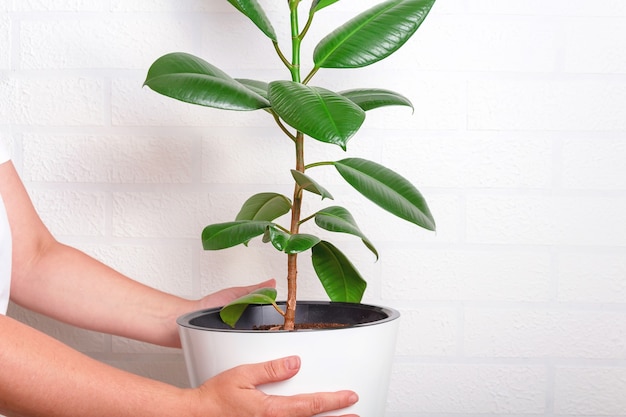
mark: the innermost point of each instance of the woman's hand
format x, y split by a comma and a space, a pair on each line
233, 393
227, 295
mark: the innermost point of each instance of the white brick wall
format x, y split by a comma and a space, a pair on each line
515, 307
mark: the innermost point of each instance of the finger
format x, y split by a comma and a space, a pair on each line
271, 371
306, 405
265, 284
227, 295
236, 292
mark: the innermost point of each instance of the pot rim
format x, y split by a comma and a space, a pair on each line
387, 314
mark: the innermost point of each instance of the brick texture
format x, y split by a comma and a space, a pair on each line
515, 307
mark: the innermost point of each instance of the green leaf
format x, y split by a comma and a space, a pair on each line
318, 5
264, 207
387, 189
300, 242
225, 235
338, 219
231, 313
340, 279
183, 63
322, 114
373, 98
259, 87
372, 35
253, 10
309, 184
287, 243
190, 79
276, 236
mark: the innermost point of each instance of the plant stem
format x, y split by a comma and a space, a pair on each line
306, 219
306, 26
318, 164
311, 74
280, 55
282, 126
295, 43
292, 259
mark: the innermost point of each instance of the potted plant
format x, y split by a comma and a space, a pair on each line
305, 112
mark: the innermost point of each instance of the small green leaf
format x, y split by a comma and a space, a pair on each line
309, 184
372, 35
264, 207
338, 219
387, 189
340, 279
190, 79
373, 98
318, 5
322, 114
287, 243
254, 12
225, 235
231, 313
277, 237
300, 242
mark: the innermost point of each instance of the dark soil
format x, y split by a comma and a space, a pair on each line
304, 326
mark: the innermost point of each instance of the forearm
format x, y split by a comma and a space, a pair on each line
66, 284
70, 286
42, 377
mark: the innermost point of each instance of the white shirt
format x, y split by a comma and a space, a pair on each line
5, 243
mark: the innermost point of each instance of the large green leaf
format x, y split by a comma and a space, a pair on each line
232, 312
254, 12
373, 98
338, 219
322, 114
183, 63
372, 35
190, 79
309, 184
259, 87
264, 207
225, 235
387, 189
339, 277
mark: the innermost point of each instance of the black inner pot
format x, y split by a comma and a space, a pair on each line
256, 316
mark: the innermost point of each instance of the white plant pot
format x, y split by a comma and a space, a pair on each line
358, 357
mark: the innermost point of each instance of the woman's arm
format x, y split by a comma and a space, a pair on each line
64, 283
42, 377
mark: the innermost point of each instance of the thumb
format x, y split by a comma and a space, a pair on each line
273, 371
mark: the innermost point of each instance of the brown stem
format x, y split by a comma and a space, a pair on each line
292, 260
290, 312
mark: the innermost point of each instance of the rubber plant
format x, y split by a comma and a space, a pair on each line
302, 112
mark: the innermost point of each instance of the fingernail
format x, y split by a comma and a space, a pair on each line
353, 398
292, 362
